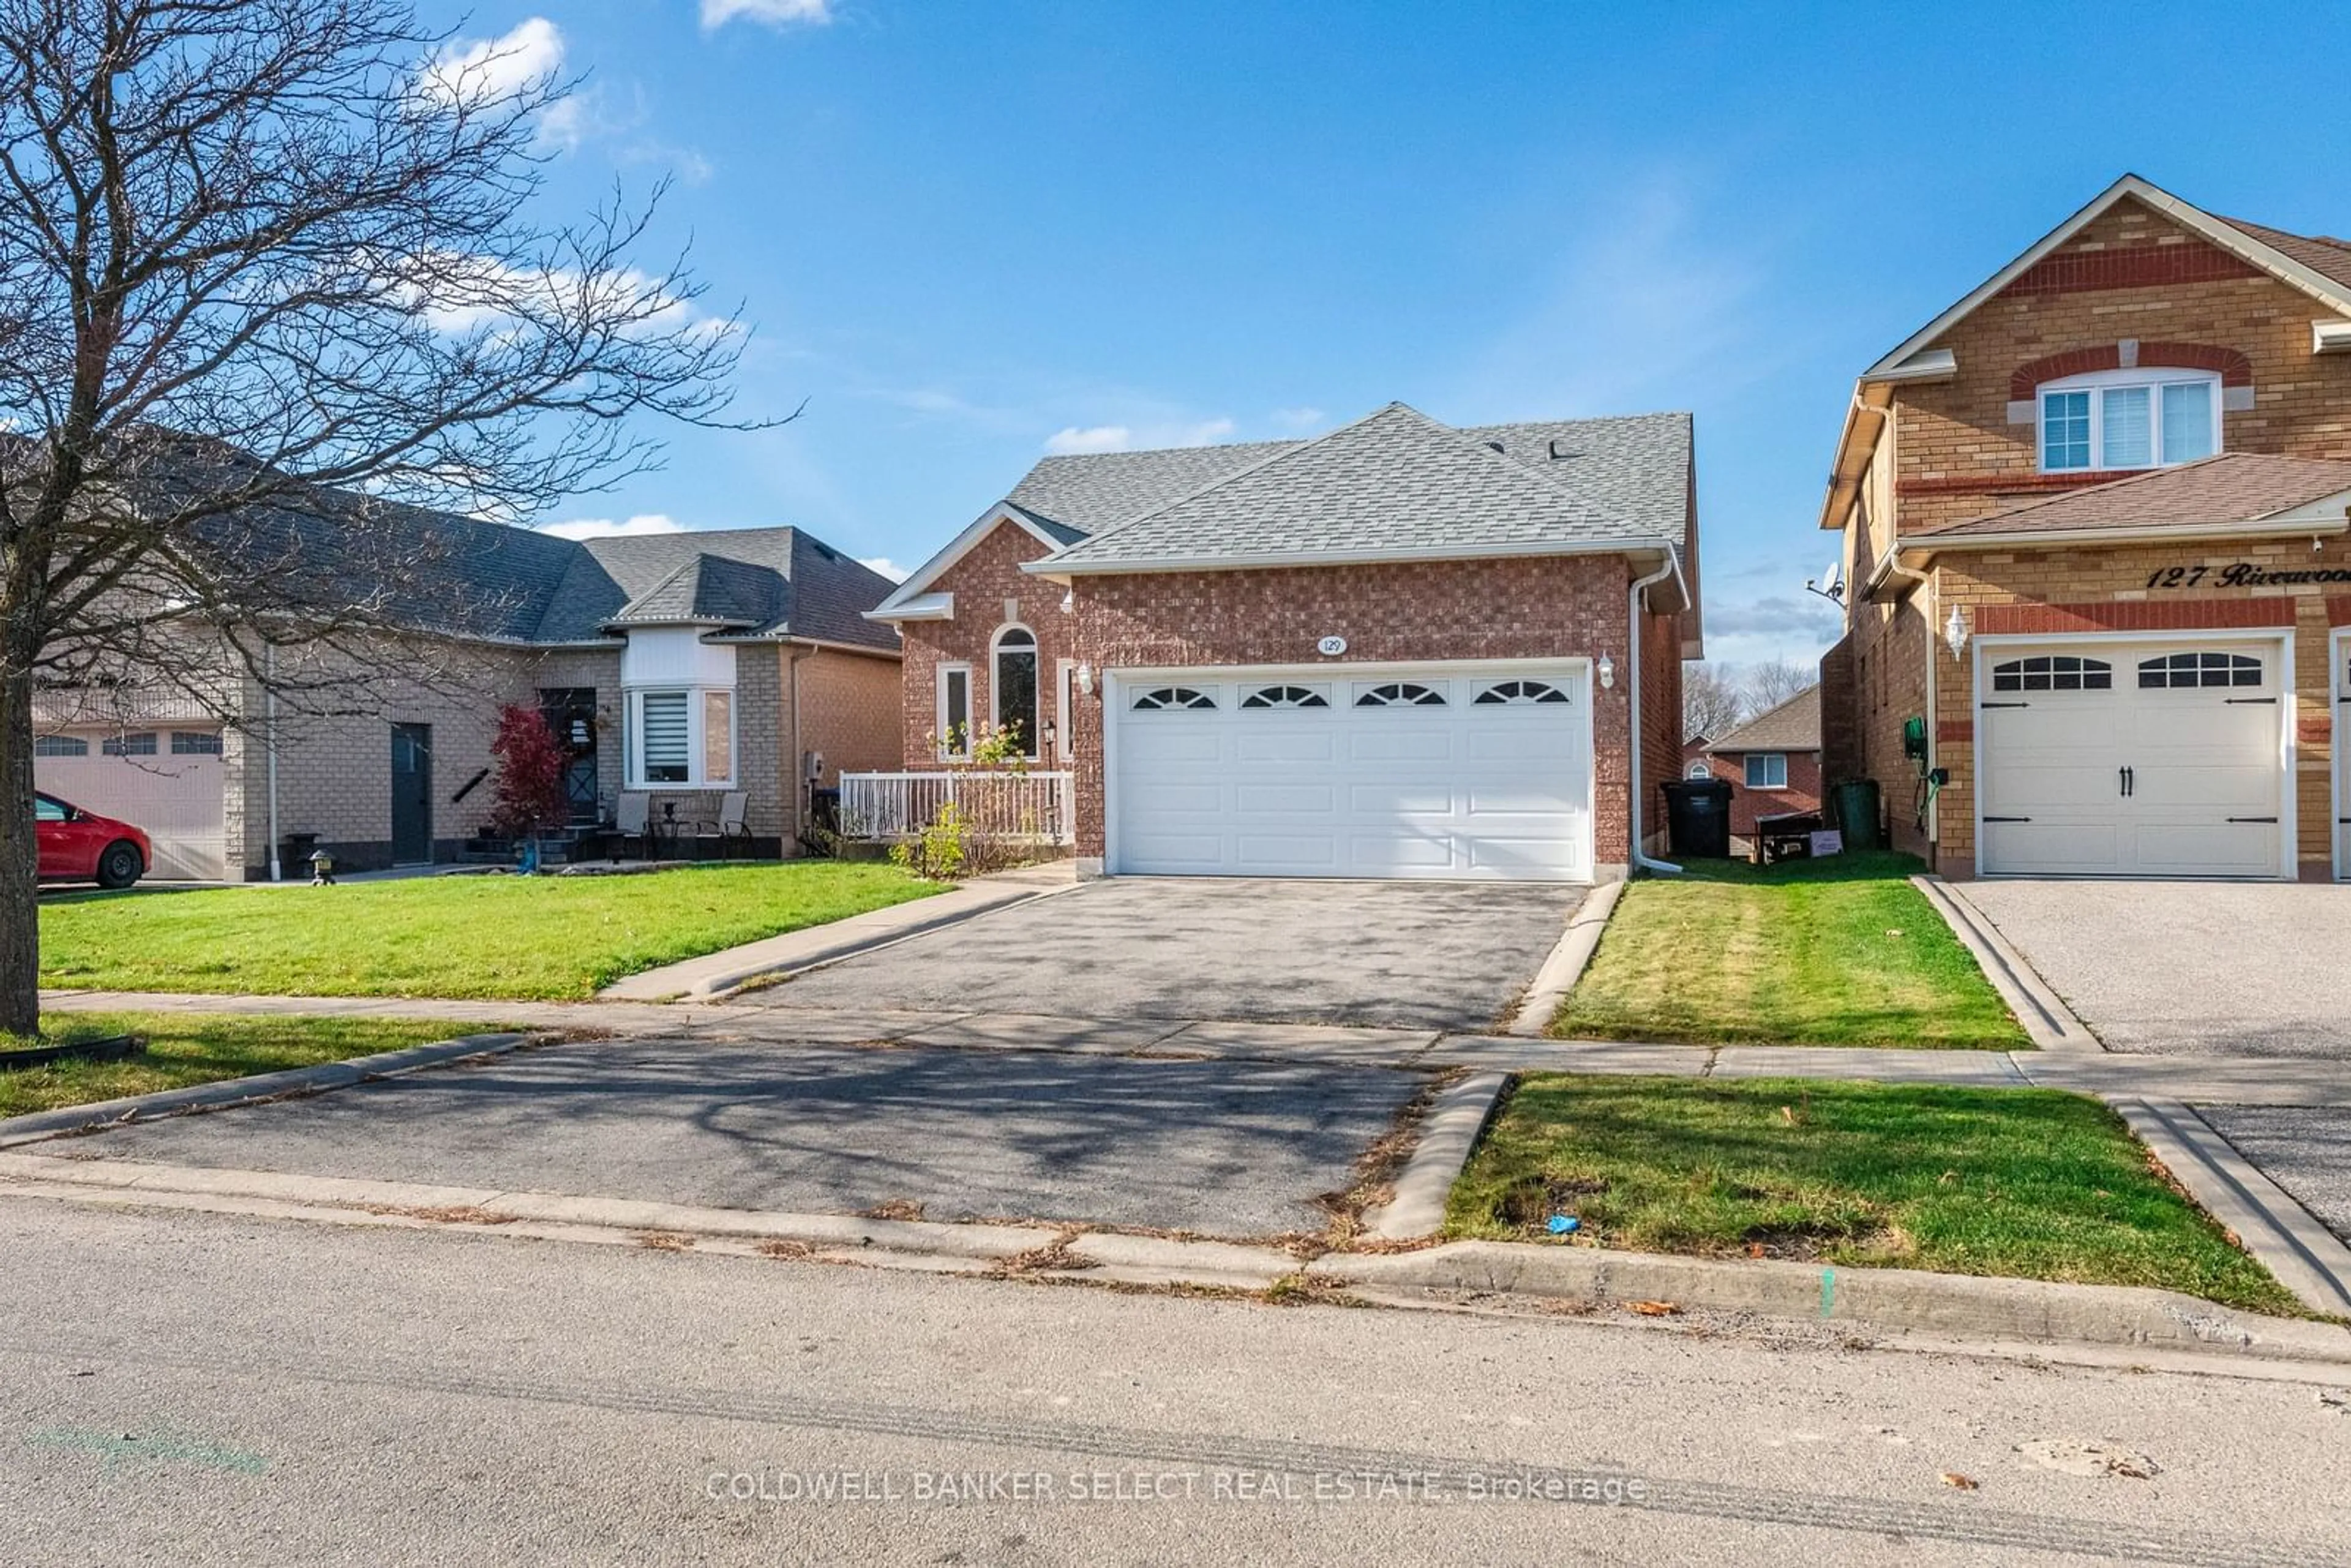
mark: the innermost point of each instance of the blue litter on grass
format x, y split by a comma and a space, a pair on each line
1561, 1224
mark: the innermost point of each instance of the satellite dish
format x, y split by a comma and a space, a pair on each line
1830, 584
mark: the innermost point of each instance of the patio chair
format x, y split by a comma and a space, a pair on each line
633, 819
729, 829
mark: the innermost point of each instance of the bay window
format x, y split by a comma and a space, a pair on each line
2128, 419
683, 737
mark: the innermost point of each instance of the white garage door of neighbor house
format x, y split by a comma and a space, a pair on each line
1447, 773
2163, 759
166, 780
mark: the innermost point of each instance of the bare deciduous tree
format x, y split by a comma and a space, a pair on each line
1712, 705
1767, 685
248, 250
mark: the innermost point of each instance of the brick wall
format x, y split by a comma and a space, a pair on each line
1544, 608
850, 710
2131, 275
1802, 793
990, 591
2035, 592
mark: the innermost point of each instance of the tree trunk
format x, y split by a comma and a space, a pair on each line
20, 914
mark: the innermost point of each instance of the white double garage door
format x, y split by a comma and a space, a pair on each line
167, 781
1468, 773
2167, 757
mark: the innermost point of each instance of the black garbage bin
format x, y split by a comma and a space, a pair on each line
1857, 814
1697, 817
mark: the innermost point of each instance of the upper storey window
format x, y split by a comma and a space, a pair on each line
2128, 419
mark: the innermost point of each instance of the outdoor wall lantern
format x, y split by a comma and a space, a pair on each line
1069, 602
1607, 672
1955, 633
1086, 679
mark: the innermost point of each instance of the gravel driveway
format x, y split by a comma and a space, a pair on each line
2187, 969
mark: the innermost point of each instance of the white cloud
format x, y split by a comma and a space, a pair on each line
610, 529
1093, 438
485, 69
773, 13
883, 565
1127, 438
1300, 418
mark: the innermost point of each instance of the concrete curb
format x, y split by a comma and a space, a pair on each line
716, 975
2290, 1240
39, 1124
2047, 1020
1448, 1135
1888, 1299
1566, 963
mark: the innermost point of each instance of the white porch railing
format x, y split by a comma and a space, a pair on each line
1037, 806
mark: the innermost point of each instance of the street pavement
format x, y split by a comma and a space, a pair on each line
1221, 1147
199, 1388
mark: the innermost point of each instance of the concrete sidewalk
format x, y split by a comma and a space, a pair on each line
2197, 1080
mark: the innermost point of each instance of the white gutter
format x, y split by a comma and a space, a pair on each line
1641, 861
2206, 533
269, 697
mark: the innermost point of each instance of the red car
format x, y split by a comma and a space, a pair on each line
82, 846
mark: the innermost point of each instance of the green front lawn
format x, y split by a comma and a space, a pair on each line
1837, 951
552, 937
184, 1049
2028, 1183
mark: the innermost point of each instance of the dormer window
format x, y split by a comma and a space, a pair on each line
2128, 419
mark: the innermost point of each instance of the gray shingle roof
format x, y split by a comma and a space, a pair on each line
763, 583
1793, 726
338, 549
1398, 483
1090, 492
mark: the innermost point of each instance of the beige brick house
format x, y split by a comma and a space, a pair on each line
684, 666
2097, 577
1399, 650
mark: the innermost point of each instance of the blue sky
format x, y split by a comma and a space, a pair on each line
968, 235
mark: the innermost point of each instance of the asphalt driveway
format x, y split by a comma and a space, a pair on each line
1396, 954
1226, 1148
2184, 968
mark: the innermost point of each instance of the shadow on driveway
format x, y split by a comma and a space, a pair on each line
1225, 1149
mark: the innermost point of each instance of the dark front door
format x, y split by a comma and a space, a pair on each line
571, 714
412, 793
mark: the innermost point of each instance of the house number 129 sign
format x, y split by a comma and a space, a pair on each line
1332, 647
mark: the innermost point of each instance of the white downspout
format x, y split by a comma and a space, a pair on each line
269, 703
1641, 860
801, 783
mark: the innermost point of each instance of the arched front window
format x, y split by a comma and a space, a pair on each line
1012, 686
2148, 418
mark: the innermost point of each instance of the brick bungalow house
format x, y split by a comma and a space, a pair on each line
1772, 762
2094, 536
682, 666
1398, 650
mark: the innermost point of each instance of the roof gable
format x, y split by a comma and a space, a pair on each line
2310, 265
1793, 726
1398, 486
